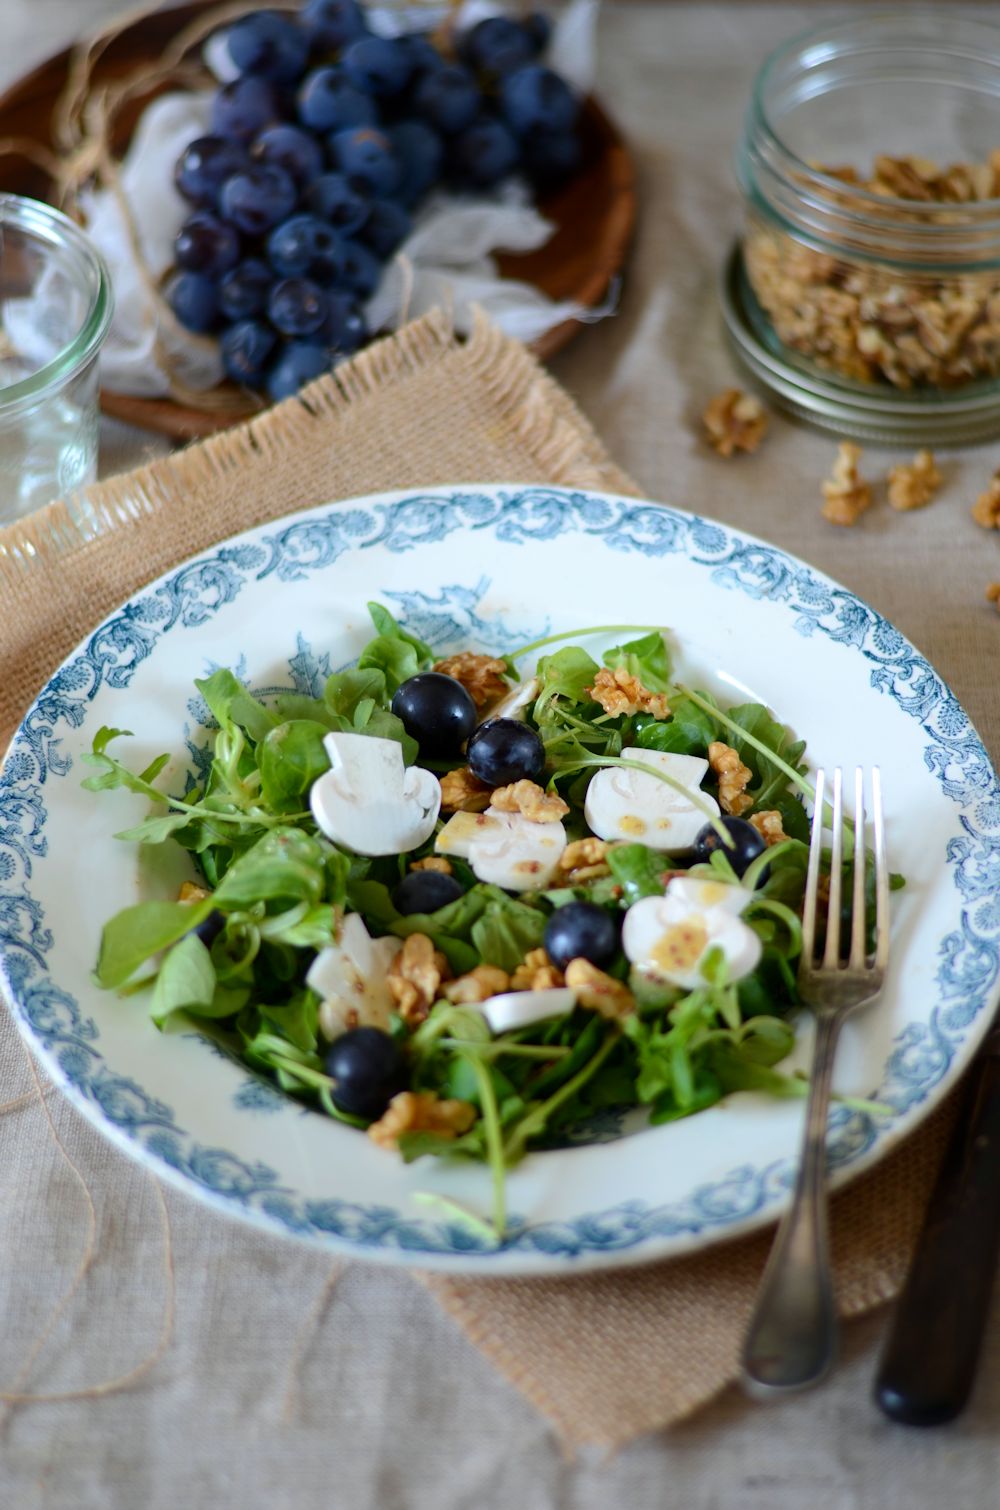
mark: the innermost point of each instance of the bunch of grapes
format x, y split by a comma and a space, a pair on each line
319, 153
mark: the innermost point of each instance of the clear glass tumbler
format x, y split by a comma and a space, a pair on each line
55, 309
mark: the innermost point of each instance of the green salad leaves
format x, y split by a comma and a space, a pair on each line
269, 891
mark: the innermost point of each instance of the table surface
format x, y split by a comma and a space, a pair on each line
394, 1408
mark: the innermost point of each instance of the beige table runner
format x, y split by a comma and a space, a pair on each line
604, 1357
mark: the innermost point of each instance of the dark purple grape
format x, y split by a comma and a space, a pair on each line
503, 750
296, 307
436, 711
484, 153
194, 300
243, 292
448, 98
247, 348
288, 147
206, 244
550, 157
539, 29
497, 45
421, 157
204, 166
241, 110
328, 101
344, 330
332, 23
367, 1070
386, 227
360, 271
582, 930
297, 365
536, 99
258, 199
209, 928
306, 247
380, 66
747, 843
366, 154
425, 891
335, 199
424, 56
268, 44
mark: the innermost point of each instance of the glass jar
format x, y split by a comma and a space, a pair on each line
55, 309
870, 169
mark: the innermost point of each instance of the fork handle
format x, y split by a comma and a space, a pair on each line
792, 1338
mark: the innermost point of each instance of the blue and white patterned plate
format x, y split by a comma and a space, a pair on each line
283, 605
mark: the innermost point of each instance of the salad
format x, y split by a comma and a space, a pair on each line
475, 905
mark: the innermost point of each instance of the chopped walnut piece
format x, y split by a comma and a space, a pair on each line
600, 992
584, 860
461, 792
618, 691
768, 825
734, 421
531, 801
734, 778
482, 676
414, 976
846, 495
913, 484
478, 985
421, 1111
433, 862
993, 594
536, 972
189, 892
986, 509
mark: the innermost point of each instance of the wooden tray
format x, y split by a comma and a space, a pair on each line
594, 214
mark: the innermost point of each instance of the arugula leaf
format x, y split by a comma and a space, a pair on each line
297, 1020
186, 982
113, 773
646, 658
507, 930
232, 705
567, 673
769, 780
136, 933
688, 731
290, 757
293, 705
394, 652
638, 870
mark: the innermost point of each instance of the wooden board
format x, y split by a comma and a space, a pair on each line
594, 214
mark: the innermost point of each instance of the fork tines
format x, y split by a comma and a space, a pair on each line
858, 956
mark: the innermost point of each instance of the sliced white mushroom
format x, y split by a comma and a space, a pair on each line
369, 802
622, 803
514, 703
519, 1009
349, 976
668, 937
504, 849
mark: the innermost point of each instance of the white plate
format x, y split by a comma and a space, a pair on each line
283, 605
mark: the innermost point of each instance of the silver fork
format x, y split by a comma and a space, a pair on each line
792, 1337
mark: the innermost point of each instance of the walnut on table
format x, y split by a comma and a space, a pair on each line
846, 495
986, 509
618, 691
734, 421
913, 484
993, 595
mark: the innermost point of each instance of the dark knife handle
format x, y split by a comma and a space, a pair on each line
930, 1358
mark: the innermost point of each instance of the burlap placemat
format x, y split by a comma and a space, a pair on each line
604, 1357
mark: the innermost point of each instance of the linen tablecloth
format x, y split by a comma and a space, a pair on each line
384, 1404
